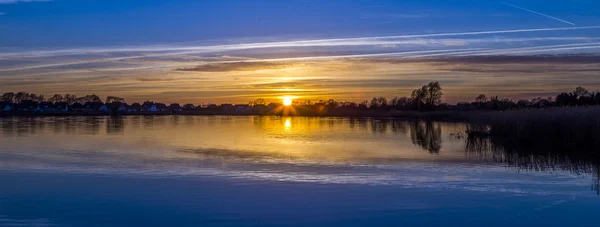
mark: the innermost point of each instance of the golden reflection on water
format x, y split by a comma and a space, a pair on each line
255, 138
288, 124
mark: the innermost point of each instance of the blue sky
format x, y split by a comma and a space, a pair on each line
235, 50
63, 23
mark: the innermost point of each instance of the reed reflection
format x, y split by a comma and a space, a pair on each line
521, 152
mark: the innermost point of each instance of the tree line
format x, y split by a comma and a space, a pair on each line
427, 97
70, 99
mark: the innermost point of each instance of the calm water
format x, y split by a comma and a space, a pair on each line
273, 171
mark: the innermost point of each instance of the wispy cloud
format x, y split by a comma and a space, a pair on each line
341, 68
2, 13
417, 39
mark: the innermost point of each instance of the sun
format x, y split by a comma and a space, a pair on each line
287, 101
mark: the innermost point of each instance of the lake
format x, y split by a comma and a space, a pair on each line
277, 171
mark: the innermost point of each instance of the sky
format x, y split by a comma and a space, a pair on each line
234, 51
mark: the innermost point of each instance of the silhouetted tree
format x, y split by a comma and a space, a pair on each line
429, 95
56, 98
434, 93
70, 99
8, 97
580, 92
332, 103
111, 99
481, 99
262, 102
21, 96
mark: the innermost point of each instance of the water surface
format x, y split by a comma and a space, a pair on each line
246, 171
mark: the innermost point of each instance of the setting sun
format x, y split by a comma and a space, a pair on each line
287, 101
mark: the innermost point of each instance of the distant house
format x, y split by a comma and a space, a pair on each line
134, 108
93, 106
175, 107
77, 107
227, 106
273, 106
104, 108
26, 106
259, 108
122, 107
46, 106
146, 106
61, 107
117, 106
161, 107
5, 106
212, 106
153, 108
242, 107
189, 107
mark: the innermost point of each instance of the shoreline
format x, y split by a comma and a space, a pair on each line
443, 115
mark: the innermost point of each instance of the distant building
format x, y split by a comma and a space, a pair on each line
5, 106
135, 108
259, 108
242, 107
161, 107
26, 106
61, 107
175, 107
273, 106
92, 106
227, 107
146, 106
189, 107
77, 106
117, 106
104, 108
46, 106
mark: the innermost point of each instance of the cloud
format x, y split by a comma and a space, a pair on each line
2, 13
164, 79
507, 65
388, 41
241, 66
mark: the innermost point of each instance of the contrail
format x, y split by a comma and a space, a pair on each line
300, 43
487, 52
538, 13
222, 48
234, 61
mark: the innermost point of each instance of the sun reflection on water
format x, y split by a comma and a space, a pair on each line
288, 124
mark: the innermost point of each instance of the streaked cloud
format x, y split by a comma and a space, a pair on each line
507, 63
241, 66
416, 39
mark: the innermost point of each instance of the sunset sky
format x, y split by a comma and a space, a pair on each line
234, 51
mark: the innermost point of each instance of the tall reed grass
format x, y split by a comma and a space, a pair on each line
565, 138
